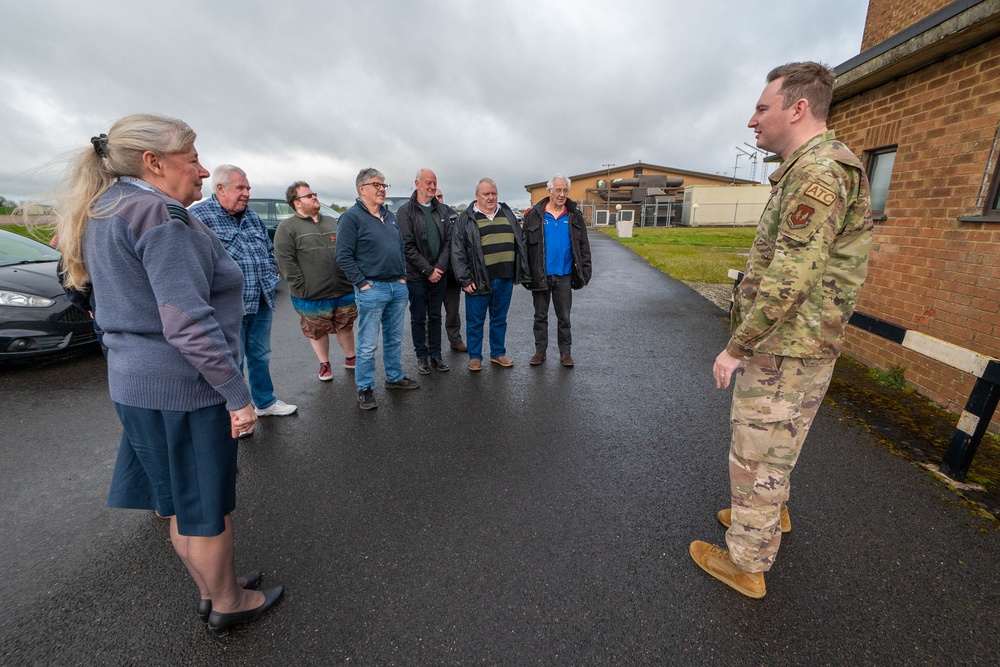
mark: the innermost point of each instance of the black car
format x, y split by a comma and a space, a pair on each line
273, 211
36, 317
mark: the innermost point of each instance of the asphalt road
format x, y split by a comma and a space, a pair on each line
523, 516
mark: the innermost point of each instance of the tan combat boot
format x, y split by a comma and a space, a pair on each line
716, 562
726, 518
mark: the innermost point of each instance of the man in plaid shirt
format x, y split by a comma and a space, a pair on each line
244, 236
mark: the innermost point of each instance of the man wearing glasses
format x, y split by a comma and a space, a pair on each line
488, 256
370, 251
559, 261
304, 246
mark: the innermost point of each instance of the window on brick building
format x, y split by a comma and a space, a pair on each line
880, 164
993, 201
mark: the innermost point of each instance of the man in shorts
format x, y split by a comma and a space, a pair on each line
304, 247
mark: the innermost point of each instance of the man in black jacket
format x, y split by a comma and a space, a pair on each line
425, 224
559, 261
488, 257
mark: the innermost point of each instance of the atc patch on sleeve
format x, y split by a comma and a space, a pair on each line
821, 194
800, 218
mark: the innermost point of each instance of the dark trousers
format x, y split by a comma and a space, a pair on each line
453, 319
560, 293
425, 316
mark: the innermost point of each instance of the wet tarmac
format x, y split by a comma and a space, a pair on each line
522, 516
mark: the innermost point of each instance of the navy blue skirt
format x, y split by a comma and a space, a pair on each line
180, 464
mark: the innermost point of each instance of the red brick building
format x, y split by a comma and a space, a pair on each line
921, 105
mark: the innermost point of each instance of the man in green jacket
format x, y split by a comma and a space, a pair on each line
321, 294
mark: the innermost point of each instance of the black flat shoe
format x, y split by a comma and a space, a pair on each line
253, 578
220, 624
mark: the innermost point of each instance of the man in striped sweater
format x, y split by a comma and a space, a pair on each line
488, 256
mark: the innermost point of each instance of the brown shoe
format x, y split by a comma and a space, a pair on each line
475, 365
460, 346
566, 360
725, 517
537, 358
716, 562
506, 362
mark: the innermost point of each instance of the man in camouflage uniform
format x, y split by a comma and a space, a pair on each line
803, 277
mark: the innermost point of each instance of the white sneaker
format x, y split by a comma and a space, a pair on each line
277, 409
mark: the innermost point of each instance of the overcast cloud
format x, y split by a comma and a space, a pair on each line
511, 89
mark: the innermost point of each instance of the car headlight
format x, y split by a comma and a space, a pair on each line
8, 298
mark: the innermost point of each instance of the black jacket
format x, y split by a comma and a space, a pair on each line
467, 259
413, 227
534, 238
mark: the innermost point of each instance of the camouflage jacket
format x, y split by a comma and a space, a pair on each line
809, 258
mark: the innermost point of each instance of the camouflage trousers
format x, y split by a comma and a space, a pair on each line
774, 402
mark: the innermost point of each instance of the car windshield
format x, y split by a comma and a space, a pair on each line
283, 210
393, 203
16, 249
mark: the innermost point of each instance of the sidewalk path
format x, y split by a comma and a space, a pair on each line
524, 516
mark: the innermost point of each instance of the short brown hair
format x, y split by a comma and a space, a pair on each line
809, 80
292, 192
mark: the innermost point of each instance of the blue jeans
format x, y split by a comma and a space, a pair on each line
381, 307
497, 302
426, 299
255, 347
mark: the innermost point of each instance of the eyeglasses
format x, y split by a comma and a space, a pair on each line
311, 195
378, 186
560, 191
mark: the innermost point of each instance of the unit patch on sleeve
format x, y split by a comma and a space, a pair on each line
800, 218
821, 194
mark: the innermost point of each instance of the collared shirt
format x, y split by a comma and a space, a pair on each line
475, 209
245, 239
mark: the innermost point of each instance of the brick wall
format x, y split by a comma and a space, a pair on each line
887, 17
928, 271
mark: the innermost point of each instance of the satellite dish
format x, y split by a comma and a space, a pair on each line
602, 183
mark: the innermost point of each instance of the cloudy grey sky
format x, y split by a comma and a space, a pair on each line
511, 89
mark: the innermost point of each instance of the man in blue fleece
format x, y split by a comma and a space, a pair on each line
370, 251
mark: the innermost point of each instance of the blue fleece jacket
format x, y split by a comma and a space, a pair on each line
370, 248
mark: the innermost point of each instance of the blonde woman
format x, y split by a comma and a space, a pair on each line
170, 303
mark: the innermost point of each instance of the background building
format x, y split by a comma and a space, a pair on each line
921, 106
652, 194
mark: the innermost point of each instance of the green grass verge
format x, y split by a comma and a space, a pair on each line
40, 233
702, 255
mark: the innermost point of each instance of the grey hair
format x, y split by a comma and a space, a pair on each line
558, 177
485, 180
222, 174
365, 174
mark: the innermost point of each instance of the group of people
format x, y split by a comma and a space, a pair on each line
419, 254
184, 294
363, 270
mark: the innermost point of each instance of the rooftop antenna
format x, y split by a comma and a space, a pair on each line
738, 156
757, 153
